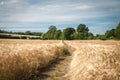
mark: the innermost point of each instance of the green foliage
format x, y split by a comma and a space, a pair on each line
28, 33
110, 33
90, 36
117, 31
112, 38
2, 31
58, 34
9, 37
51, 32
82, 31
82, 28
113, 33
75, 35
101, 37
44, 37
23, 33
67, 33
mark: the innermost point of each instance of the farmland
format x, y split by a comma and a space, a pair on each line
59, 60
95, 60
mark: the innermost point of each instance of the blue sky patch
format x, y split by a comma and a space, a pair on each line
38, 15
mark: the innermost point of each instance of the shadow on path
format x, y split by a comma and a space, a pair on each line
44, 72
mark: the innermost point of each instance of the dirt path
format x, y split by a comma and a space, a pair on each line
57, 70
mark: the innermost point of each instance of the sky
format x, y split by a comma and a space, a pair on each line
38, 15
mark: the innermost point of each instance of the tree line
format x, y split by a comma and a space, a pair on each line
110, 34
69, 33
23, 33
20, 35
80, 33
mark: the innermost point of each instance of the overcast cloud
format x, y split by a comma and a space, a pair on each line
38, 15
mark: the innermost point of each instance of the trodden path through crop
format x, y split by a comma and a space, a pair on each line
56, 70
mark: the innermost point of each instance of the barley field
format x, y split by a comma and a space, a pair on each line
95, 60
22, 59
88, 60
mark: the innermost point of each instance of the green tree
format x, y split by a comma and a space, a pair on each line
110, 33
82, 31
75, 35
90, 36
117, 31
28, 33
67, 33
100, 36
37, 33
58, 34
51, 32
2, 31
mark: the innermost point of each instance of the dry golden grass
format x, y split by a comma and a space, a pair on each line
92, 60
95, 60
21, 59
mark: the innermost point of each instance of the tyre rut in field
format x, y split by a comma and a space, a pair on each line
56, 70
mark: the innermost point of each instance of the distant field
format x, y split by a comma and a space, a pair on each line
17, 36
90, 59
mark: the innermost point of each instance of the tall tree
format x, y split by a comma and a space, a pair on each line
51, 32
82, 31
117, 31
110, 33
58, 34
28, 33
67, 33
100, 36
90, 36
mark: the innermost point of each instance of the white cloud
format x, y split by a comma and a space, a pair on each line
47, 13
2, 3
58, 8
106, 23
58, 11
12, 2
83, 7
31, 17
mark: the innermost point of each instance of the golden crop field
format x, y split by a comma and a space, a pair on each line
95, 60
88, 60
20, 59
